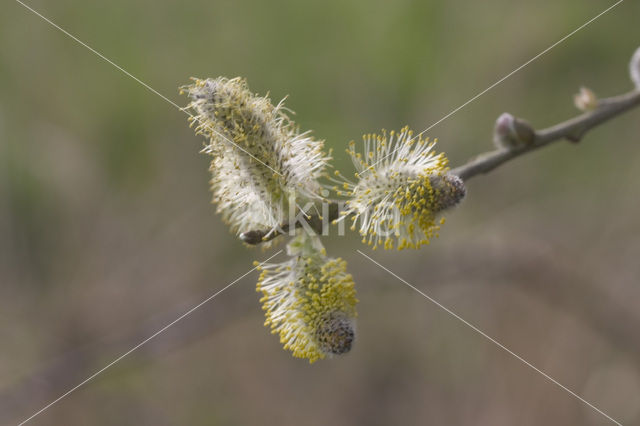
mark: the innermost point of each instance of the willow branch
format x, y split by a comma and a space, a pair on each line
572, 130
315, 221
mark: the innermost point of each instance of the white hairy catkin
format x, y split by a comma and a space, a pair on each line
261, 162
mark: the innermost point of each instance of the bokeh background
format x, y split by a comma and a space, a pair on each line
107, 234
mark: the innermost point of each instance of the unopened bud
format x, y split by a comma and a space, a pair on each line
335, 333
252, 237
448, 191
585, 100
511, 132
634, 68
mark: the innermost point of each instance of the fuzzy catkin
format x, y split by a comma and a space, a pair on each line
261, 162
401, 187
309, 301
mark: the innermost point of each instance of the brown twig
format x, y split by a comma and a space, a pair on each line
316, 222
572, 130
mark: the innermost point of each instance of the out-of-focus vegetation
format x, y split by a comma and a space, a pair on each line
106, 233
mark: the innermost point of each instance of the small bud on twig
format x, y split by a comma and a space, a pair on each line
585, 100
252, 237
634, 68
511, 132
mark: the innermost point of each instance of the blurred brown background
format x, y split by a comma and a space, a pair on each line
106, 232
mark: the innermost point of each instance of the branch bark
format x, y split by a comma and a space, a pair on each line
572, 130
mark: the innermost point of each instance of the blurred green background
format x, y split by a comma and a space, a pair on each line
107, 234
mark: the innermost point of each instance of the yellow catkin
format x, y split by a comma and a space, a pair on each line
309, 301
402, 187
